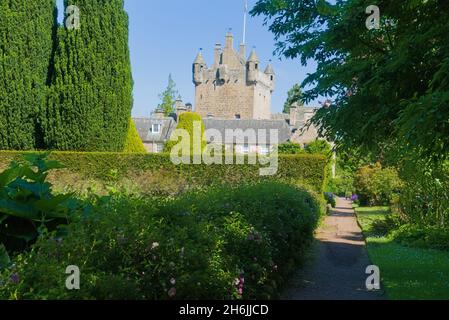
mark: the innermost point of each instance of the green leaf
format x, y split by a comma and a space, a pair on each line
19, 210
5, 261
52, 207
9, 175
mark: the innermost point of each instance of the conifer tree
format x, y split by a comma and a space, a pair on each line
168, 97
26, 44
91, 95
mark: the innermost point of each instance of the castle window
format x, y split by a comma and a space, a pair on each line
257, 66
264, 150
238, 117
210, 116
156, 128
272, 78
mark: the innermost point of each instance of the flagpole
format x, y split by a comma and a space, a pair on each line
244, 20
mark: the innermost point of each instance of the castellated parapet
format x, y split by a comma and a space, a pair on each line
233, 87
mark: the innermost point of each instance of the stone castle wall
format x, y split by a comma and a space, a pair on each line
233, 86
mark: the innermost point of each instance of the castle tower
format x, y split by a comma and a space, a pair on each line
233, 87
253, 66
199, 66
270, 73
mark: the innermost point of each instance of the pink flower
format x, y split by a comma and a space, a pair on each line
172, 292
240, 291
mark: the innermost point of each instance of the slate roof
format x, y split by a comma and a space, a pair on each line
143, 126
284, 132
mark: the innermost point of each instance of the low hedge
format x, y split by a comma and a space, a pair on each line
225, 243
155, 174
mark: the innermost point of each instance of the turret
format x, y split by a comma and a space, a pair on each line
252, 66
270, 73
199, 66
180, 107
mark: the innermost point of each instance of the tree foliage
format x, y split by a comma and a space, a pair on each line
26, 44
294, 96
91, 96
390, 86
168, 97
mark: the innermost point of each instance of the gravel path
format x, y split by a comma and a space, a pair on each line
336, 270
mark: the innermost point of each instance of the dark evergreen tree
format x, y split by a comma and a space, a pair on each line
26, 43
91, 95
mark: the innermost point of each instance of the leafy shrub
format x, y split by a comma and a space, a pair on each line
290, 148
319, 146
226, 243
376, 185
424, 198
133, 143
342, 187
155, 174
428, 237
186, 122
27, 205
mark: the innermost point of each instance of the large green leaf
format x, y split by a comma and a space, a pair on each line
9, 175
19, 210
38, 189
52, 207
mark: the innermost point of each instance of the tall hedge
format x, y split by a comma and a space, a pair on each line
91, 99
26, 44
156, 174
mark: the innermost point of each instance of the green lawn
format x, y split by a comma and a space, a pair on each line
407, 273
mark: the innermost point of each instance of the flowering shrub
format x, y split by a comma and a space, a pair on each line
376, 185
225, 243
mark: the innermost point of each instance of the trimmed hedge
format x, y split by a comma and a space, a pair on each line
155, 174
225, 243
186, 122
133, 143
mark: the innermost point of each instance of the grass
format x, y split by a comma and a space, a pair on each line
407, 273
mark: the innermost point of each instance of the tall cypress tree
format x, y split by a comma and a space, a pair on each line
90, 104
26, 43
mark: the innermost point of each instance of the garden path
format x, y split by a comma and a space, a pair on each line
336, 270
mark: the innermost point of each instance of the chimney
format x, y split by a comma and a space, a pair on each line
217, 54
180, 107
229, 41
243, 51
294, 114
159, 113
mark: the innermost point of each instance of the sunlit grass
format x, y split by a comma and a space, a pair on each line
407, 273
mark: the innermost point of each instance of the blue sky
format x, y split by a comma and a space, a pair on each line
165, 36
